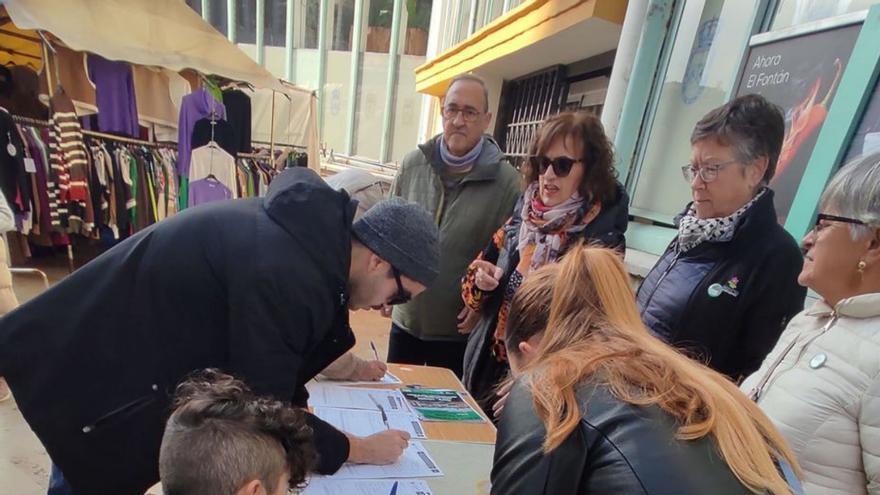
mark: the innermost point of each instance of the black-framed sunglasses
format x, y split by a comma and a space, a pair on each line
561, 165
403, 296
818, 226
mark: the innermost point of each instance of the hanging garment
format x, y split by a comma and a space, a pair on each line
238, 114
195, 106
11, 160
213, 160
70, 160
169, 163
153, 97
69, 72
224, 135
23, 98
27, 191
178, 87
40, 156
114, 93
207, 190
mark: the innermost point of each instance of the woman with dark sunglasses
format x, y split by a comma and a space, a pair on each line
821, 383
571, 195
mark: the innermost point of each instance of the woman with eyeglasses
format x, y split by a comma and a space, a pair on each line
821, 383
571, 195
726, 286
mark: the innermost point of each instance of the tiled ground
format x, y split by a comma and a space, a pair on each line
24, 465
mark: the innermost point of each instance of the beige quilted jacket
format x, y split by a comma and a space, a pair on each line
8, 302
820, 387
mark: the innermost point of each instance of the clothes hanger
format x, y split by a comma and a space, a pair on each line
212, 146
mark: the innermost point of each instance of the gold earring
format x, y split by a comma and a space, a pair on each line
862, 266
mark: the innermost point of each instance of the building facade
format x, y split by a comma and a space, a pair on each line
342, 49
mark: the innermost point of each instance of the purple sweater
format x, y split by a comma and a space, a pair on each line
114, 94
195, 106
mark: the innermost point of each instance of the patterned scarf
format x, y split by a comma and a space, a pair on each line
693, 231
453, 161
545, 229
542, 235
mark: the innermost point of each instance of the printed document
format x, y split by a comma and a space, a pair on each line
362, 422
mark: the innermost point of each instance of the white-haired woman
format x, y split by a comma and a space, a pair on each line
821, 383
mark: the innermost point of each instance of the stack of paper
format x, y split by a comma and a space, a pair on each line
329, 486
363, 412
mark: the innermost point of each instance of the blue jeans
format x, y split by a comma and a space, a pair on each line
57, 484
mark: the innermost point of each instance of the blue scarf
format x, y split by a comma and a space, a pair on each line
457, 162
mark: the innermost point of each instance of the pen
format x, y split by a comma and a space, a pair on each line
394, 488
381, 411
375, 352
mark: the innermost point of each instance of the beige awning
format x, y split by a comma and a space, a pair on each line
163, 33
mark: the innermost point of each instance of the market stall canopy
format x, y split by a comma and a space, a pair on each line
19, 46
164, 33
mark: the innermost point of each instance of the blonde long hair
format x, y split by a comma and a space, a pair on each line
594, 331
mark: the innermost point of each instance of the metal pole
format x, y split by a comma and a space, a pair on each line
391, 86
357, 50
490, 11
505, 7
633, 24
206, 10
272, 130
459, 19
288, 42
472, 18
645, 65
230, 19
439, 14
322, 63
261, 31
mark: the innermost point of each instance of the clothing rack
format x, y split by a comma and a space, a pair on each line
42, 123
252, 155
282, 145
29, 121
122, 139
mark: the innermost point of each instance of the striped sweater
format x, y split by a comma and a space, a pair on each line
72, 210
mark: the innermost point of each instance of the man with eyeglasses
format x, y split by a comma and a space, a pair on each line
464, 181
259, 288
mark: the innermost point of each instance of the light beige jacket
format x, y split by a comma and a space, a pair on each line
8, 301
820, 387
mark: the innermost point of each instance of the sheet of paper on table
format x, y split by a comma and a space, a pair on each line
333, 395
415, 462
388, 379
329, 486
362, 422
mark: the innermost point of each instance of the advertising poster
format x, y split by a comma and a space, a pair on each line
866, 140
800, 74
